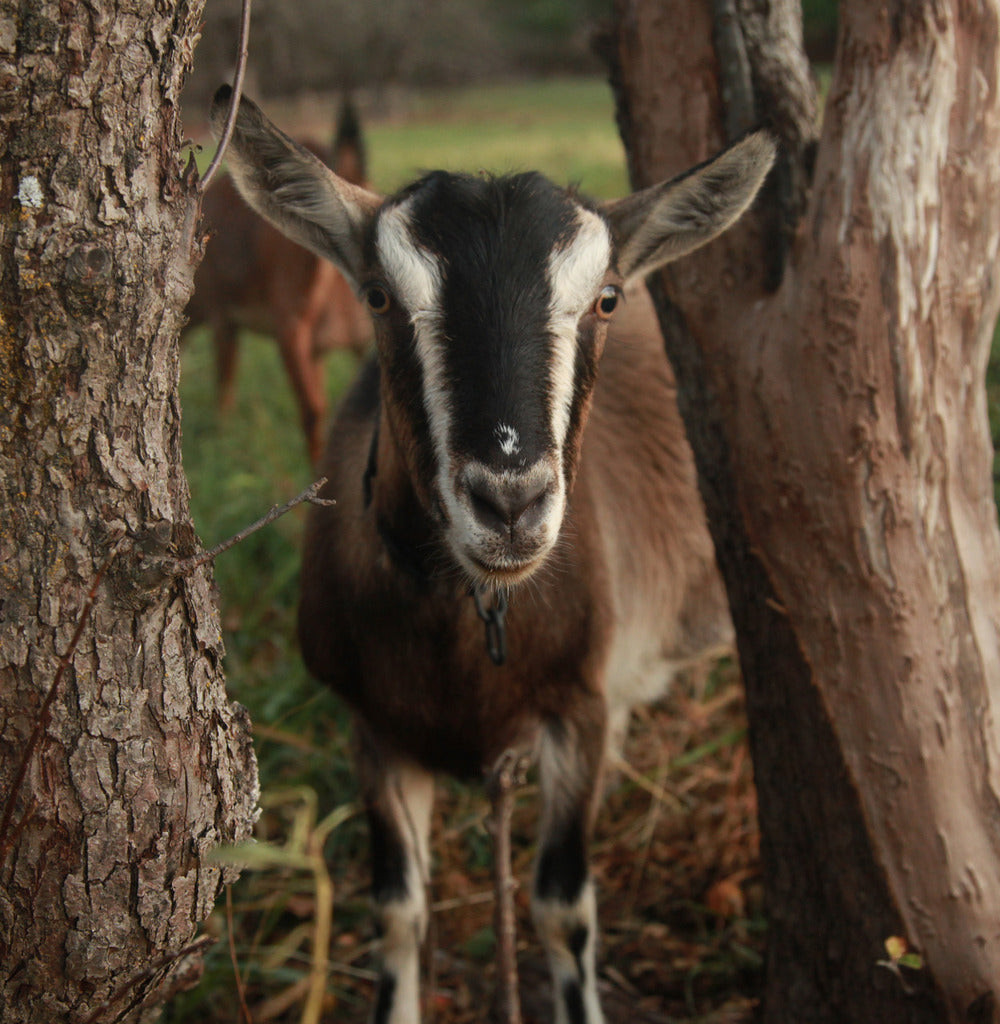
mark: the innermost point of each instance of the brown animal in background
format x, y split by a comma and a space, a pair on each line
253, 277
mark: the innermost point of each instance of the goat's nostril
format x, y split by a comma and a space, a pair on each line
502, 504
532, 498
488, 506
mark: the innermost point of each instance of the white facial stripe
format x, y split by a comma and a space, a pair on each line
415, 276
577, 270
575, 273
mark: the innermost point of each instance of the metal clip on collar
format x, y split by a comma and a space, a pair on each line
496, 626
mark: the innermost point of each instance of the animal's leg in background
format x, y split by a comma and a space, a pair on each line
306, 374
563, 903
398, 797
225, 337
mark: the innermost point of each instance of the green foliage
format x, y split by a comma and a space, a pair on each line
993, 399
819, 28
819, 12
238, 466
542, 32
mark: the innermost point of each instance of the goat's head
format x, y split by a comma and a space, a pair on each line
491, 299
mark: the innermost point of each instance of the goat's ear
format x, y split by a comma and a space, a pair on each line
662, 223
292, 189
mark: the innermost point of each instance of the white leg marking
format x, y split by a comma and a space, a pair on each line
567, 929
568, 932
403, 921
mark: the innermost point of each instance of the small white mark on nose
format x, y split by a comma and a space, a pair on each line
510, 443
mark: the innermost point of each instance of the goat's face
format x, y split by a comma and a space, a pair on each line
491, 299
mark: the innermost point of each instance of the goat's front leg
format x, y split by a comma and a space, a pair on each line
398, 800
563, 903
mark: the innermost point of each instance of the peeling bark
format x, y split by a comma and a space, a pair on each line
839, 422
143, 765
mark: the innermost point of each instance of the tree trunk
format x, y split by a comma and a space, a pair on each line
831, 355
140, 766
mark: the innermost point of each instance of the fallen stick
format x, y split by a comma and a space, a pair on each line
506, 775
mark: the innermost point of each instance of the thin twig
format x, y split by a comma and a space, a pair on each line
157, 965
658, 793
187, 565
244, 1009
507, 774
457, 902
234, 101
43, 716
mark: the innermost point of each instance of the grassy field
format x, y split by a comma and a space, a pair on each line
564, 128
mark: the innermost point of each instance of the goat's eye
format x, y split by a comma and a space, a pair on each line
378, 299
606, 302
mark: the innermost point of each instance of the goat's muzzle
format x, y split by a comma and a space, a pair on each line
510, 522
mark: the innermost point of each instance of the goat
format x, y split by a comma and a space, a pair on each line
460, 467
254, 277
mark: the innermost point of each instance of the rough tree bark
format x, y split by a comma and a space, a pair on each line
141, 765
831, 354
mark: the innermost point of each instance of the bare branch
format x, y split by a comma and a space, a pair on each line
234, 104
507, 774
187, 565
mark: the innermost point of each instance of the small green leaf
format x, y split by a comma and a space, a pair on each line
912, 960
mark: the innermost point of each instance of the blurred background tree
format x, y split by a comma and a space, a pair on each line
322, 45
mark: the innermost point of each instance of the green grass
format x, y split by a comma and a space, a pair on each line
238, 465
564, 128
